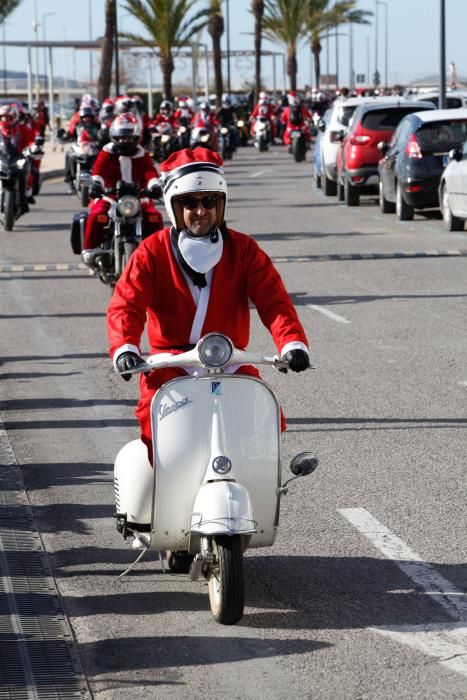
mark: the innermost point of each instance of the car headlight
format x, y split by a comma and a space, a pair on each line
215, 350
128, 206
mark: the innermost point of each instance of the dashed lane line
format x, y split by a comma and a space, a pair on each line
330, 314
447, 642
70, 267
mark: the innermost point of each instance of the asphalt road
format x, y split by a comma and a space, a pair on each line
363, 594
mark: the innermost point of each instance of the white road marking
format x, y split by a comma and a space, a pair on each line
329, 314
446, 642
260, 172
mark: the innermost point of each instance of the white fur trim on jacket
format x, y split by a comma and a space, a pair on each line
126, 168
294, 345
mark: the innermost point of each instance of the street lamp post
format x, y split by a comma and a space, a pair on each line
4, 59
442, 61
368, 76
385, 4
376, 73
228, 45
117, 70
35, 27
90, 39
44, 36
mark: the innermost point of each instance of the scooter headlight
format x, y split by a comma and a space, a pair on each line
215, 350
128, 206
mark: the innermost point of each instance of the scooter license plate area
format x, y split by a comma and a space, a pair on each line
196, 419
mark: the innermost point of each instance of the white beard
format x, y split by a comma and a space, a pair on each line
200, 252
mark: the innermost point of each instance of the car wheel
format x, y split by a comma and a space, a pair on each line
351, 195
451, 222
330, 187
385, 206
403, 210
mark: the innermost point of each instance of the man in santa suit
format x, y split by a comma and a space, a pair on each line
295, 115
196, 277
125, 162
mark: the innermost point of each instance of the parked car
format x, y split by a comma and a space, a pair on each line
339, 118
321, 126
358, 157
453, 190
454, 98
413, 162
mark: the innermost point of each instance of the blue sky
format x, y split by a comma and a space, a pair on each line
413, 45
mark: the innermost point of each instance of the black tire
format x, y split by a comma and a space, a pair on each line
36, 188
179, 562
451, 222
318, 181
227, 583
404, 211
351, 194
84, 195
8, 210
330, 187
340, 192
262, 144
385, 206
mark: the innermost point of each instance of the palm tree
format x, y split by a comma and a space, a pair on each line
284, 23
7, 7
257, 10
168, 26
105, 74
320, 18
216, 30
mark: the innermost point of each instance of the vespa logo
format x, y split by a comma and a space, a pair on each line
165, 409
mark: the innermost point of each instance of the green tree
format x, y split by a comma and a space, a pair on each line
7, 7
168, 25
284, 23
257, 10
216, 29
321, 17
105, 74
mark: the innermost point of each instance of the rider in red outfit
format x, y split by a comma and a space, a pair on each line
295, 115
196, 277
122, 160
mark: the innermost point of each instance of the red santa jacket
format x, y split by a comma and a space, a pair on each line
109, 168
304, 113
153, 287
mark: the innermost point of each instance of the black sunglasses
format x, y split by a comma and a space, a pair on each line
208, 202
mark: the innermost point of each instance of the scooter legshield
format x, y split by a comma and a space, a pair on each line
196, 419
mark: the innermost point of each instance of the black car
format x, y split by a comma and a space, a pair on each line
410, 171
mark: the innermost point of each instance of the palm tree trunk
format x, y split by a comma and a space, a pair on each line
216, 29
167, 68
292, 66
105, 75
316, 50
257, 7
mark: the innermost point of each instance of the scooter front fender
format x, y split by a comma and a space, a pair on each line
222, 508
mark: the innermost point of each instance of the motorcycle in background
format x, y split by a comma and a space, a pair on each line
34, 153
14, 173
243, 132
163, 141
225, 143
215, 488
200, 136
262, 133
123, 234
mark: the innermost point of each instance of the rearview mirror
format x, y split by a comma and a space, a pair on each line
455, 154
383, 147
303, 464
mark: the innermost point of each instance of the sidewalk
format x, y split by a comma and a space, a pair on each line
53, 161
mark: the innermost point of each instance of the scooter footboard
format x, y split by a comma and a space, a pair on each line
223, 508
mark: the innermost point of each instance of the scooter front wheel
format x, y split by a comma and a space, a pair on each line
227, 582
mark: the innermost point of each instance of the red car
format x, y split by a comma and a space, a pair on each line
359, 155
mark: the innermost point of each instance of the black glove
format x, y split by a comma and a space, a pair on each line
126, 361
155, 191
124, 188
298, 360
95, 190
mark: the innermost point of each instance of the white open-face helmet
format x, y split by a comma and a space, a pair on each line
192, 172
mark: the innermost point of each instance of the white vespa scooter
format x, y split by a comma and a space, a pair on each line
215, 489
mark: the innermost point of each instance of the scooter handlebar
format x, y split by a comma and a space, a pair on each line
191, 359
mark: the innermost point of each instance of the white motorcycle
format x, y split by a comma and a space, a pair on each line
216, 484
262, 133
